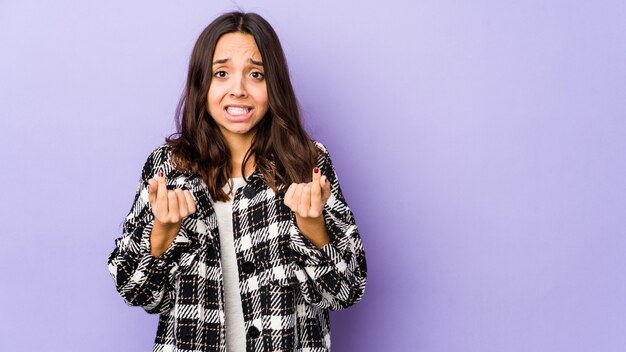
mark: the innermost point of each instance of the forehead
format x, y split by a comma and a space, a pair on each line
232, 45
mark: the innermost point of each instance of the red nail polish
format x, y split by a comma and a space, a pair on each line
160, 173
316, 170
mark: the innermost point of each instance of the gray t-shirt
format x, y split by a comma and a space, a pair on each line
235, 326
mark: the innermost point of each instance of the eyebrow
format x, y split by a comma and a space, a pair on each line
223, 61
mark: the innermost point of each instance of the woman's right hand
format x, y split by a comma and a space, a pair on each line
169, 208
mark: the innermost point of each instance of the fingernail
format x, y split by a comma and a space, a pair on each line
316, 170
160, 173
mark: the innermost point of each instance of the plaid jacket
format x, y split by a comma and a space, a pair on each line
287, 285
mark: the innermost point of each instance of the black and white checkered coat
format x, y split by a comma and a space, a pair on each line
287, 285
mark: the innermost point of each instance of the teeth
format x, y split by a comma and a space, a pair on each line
237, 111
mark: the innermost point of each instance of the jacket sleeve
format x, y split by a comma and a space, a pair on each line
334, 276
141, 279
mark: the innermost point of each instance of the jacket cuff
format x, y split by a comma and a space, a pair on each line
147, 263
332, 253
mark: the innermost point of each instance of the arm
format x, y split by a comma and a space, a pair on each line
141, 278
332, 273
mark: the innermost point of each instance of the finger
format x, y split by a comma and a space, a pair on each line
295, 200
182, 203
305, 200
289, 195
152, 191
316, 189
161, 197
325, 189
191, 203
174, 212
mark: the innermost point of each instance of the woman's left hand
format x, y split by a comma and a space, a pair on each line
307, 199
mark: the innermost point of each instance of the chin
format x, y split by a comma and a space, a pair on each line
241, 131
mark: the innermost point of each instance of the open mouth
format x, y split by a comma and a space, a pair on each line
238, 113
237, 110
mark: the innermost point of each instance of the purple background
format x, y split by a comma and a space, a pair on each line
480, 144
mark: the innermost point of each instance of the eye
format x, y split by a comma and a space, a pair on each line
220, 74
257, 75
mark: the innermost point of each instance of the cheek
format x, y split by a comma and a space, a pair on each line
262, 99
213, 98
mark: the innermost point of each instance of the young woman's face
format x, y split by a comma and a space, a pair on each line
237, 98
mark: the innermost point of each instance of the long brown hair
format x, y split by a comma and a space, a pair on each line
283, 151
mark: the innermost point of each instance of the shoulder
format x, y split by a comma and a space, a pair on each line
162, 152
324, 161
158, 160
320, 146
322, 151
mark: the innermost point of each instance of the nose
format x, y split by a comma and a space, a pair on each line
238, 88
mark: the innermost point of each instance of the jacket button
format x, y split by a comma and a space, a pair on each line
247, 267
253, 332
249, 192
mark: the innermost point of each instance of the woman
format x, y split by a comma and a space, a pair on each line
239, 235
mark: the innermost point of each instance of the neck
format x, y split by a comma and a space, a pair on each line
239, 145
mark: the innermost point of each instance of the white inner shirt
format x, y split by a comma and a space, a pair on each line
235, 326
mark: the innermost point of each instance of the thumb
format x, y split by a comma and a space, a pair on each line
152, 190
325, 188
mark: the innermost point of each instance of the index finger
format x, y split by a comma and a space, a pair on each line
316, 190
162, 193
